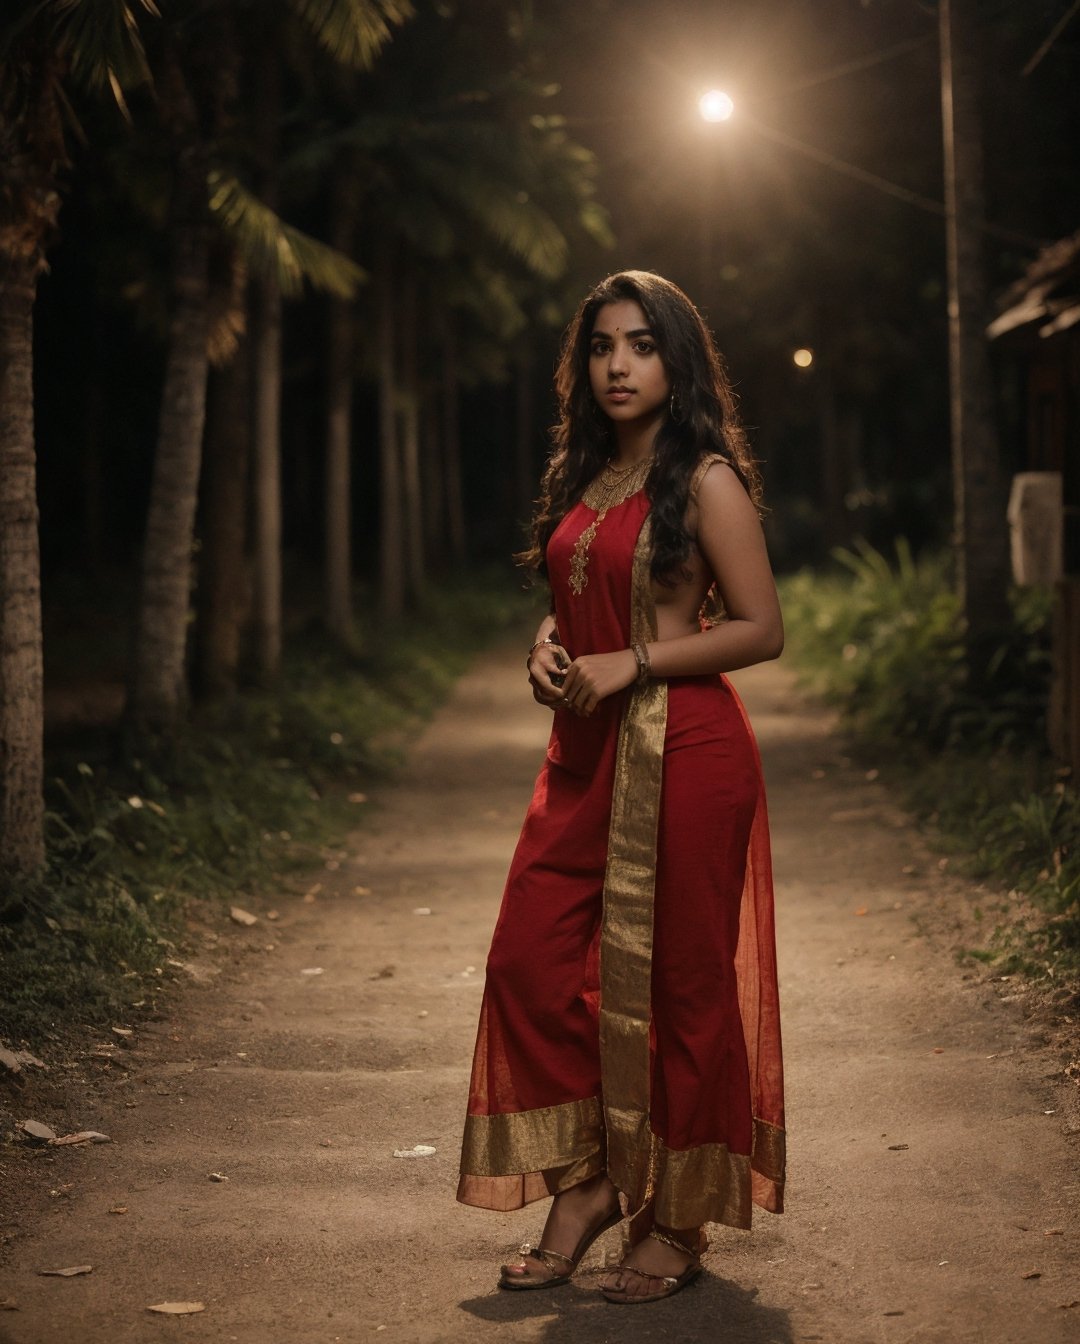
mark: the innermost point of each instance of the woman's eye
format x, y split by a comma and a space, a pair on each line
600, 348
644, 347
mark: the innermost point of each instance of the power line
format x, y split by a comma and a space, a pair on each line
859, 63
882, 184
1055, 33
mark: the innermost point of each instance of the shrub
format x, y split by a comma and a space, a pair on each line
883, 640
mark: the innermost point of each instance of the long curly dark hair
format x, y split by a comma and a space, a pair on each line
705, 420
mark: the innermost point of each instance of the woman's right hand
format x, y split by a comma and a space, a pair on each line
546, 662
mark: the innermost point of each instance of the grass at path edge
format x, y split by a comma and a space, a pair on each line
247, 795
880, 639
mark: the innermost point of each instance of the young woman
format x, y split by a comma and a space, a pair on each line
629, 1040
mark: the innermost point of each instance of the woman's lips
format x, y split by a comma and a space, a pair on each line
619, 394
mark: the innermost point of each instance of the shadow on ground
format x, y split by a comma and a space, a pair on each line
581, 1315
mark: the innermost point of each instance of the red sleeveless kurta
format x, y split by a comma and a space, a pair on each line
630, 1018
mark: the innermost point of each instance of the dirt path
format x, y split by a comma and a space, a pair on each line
930, 1151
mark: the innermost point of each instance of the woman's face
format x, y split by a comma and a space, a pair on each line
626, 373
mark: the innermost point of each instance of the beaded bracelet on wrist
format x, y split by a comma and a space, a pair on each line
641, 653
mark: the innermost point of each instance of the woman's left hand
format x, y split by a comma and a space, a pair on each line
595, 676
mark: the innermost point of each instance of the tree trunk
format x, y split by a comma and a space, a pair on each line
979, 488
224, 589
338, 475
455, 505
391, 532
434, 479
91, 466
21, 767
158, 689
266, 481
266, 393
412, 505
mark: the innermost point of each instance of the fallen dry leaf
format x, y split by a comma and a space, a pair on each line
120, 1208
34, 1129
125, 1033
938, 1050
239, 916
897, 1147
312, 970
8, 1304
217, 1176
1053, 1232
361, 891
68, 1273
83, 1136
1066, 1305
421, 1150
357, 797
177, 1308
1032, 1274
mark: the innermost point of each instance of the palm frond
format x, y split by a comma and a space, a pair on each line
502, 210
103, 42
353, 31
270, 246
368, 134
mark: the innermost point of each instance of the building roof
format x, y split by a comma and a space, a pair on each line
1048, 292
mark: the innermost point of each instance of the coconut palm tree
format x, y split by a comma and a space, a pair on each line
449, 194
351, 33
43, 46
199, 90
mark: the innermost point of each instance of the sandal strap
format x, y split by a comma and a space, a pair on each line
644, 1274
673, 1242
541, 1253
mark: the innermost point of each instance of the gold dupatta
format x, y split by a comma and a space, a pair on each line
679, 1189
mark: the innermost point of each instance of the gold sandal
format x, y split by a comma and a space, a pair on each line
519, 1282
671, 1283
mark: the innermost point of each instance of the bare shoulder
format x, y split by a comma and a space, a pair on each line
718, 489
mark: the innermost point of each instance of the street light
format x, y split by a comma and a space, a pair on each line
716, 106
803, 358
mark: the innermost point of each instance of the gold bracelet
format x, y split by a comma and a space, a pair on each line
641, 653
539, 644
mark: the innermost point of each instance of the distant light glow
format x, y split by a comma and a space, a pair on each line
716, 106
803, 358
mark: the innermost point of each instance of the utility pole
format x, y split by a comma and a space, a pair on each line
980, 536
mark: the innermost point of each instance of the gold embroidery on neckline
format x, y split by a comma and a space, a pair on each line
607, 491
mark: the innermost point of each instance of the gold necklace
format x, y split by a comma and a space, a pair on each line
606, 491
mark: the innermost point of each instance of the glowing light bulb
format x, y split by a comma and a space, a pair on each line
803, 358
716, 106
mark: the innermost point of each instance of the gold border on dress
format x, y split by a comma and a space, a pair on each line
517, 1142
626, 932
